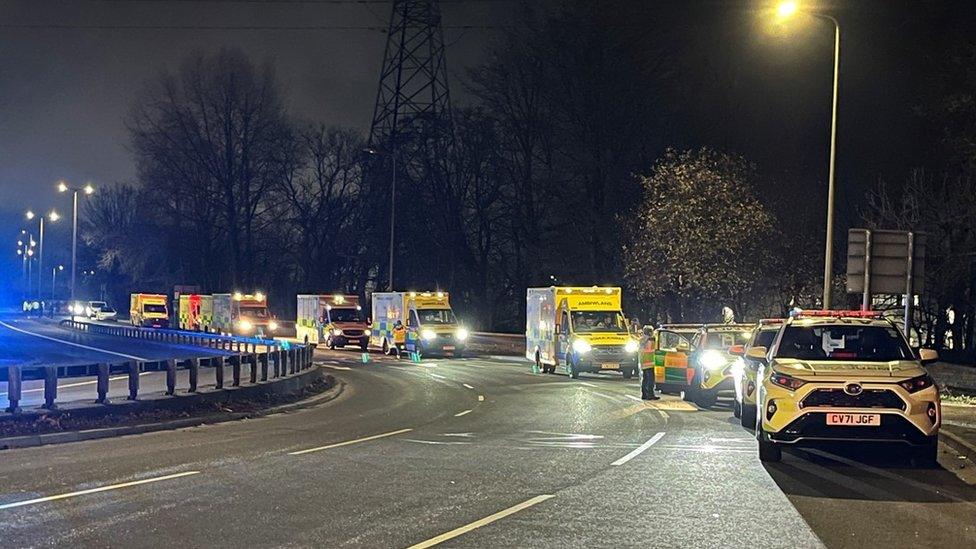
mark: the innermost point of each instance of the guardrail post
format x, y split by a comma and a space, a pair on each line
101, 384
14, 375
218, 363
235, 367
264, 365
171, 377
277, 363
253, 363
292, 360
283, 359
50, 386
194, 374
134, 367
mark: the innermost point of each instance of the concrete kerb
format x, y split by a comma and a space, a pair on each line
158, 401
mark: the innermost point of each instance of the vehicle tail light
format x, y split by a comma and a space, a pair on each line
916, 384
787, 382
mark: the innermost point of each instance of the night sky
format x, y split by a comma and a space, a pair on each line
64, 92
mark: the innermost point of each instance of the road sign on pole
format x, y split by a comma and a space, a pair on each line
886, 262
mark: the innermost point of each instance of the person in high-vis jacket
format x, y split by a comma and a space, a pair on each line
647, 366
399, 337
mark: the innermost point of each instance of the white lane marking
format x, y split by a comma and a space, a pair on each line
481, 522
637, 451
481, 398
96, 490
632, 397
464, 413
468, 386
49, 338
348, 442
438, 376
588, 384
335, 367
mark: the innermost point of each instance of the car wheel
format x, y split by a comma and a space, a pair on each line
736, 409
769, 452
571, 367
386, 347
705, 400
330, 343
748, 416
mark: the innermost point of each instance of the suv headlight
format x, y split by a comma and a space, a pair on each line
461, 334
712, 360
581, 346
336, 332
631, 346
785, 381
245, 325
916, 384
428, 334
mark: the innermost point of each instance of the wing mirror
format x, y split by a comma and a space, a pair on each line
737, 350
928, 356
757, 353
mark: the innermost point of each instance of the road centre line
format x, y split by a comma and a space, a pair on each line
588, 384
464, 413
640, 449
348, 442
96, 490
438, 376
632, 397
468, 386
481, 522
335, 367
49, 338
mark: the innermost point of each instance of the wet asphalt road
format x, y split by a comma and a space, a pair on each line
483, 453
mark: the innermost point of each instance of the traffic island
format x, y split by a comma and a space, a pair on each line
158, 411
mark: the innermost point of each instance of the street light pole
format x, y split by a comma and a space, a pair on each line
829, 248
88, 189
787, 9
74, 241
392, 219
54, 279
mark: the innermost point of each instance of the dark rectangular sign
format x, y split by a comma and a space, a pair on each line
886, 255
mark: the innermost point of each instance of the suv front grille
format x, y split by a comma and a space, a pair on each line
837, 398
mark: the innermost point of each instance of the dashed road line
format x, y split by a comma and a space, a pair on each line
464, 413
96, 490
588, 384
438, 376
336, 367
348, 442
468, 386
481, 522
640, 449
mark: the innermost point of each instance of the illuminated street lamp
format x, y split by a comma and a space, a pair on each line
54, 278
53, 216
785, 10
87, 189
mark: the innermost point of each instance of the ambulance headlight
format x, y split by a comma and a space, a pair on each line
461, 334
428, 334
712, 360
631, 346
272, 325
336, 332
581, 346
245, 325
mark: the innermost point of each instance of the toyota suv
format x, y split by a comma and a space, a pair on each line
844, 376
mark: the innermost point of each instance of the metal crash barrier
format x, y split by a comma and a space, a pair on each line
254, 353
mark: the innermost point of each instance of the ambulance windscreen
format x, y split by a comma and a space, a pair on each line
598, 321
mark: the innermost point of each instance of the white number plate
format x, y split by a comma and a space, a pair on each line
609, 366
854, 420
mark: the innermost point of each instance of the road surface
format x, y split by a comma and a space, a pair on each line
477, 452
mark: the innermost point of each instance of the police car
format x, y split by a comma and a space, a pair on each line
844, 376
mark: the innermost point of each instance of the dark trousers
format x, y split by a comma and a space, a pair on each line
647, 383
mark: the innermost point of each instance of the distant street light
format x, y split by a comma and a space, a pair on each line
53, 216
786, 10
87, 189
25, 249
377, 152
54, 279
